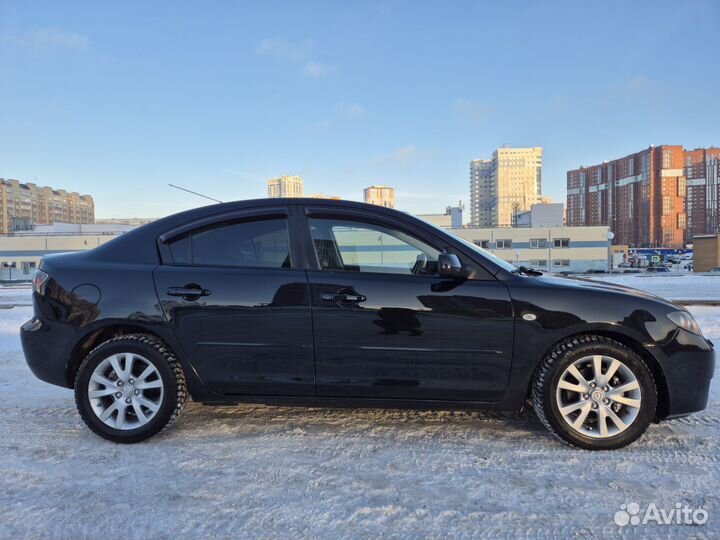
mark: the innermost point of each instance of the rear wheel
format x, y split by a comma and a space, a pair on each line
595, 393
130, 388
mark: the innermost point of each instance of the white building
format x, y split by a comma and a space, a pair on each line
542, 215
77, 228
504, 186
554, 249
20, 254
451, 219
380, 195
285, 186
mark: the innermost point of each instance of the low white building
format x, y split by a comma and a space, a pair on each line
20, 253
542, 215
78, 228
451, 219
553, 249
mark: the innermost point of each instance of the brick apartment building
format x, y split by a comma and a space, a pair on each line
644, 197
24, 205
702, 169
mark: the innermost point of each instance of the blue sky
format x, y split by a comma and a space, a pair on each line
119, 99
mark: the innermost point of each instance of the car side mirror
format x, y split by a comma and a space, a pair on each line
449, 265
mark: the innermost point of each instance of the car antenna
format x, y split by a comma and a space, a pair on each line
194, 193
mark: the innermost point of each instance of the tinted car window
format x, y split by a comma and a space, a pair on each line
363, 247
256, 244
180, 250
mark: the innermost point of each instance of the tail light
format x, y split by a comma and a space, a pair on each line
39, 280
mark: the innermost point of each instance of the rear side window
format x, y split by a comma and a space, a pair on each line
253, 244
180, 250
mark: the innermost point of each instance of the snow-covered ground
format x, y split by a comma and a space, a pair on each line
15, 295
264, 472
679, 286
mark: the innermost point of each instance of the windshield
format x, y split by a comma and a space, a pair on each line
477, 249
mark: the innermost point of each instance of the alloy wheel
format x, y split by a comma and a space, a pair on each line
125, 391
598, 396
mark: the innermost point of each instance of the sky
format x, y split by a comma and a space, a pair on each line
118, 99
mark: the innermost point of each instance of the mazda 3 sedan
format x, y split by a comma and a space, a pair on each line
336, 303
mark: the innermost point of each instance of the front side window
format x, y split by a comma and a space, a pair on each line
250, 244
362, 247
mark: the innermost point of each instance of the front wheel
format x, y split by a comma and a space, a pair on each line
130, 388
594, 393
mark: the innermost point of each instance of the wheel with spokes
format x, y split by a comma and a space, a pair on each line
130, 388
595, 393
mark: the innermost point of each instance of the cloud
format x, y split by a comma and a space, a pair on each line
300, 53
352, 111
472, 111
404, 153
343, 114
47, 38
283, 49
317, 70
637, 84
401, 156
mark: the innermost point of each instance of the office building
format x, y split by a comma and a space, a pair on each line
380, 195
504, 186
555, 249
285, 186
22, 205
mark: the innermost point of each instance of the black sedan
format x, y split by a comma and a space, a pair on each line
335, 303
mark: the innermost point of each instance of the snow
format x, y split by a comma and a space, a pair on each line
676, 286
15, 295
262, 472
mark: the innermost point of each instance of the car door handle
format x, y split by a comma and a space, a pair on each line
343, 298
188, 292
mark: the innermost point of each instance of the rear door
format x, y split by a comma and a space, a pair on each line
238, 304
387, 326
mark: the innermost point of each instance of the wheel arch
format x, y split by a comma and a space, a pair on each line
663, 395
100, 335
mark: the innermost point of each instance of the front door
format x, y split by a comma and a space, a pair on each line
239, 308
387, 326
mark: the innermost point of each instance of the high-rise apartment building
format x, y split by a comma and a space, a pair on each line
504, 186
646, 197
285, 186
24, 205
483, 193
380, 195
702, 170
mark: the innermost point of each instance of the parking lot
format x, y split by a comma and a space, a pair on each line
260, 472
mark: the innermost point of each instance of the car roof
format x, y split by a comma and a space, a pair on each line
139, 245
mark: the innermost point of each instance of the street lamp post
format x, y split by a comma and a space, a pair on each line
610, 235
